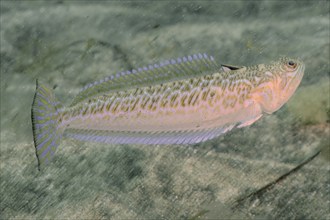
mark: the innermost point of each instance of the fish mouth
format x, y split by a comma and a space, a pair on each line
300, 73
292, 86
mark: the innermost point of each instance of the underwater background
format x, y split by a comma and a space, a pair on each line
249, 173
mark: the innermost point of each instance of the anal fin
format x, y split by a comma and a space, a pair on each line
152, 138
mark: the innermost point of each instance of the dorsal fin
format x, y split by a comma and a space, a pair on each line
169, 70
227, 68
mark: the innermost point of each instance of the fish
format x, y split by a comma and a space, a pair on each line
179, 101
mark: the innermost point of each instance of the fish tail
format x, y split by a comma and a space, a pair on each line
45, 123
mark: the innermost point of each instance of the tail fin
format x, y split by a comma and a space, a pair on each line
46, 134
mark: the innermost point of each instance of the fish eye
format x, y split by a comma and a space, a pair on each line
292, 64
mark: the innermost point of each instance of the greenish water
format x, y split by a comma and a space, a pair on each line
68, 44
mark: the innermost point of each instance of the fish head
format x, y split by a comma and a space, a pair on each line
279, 82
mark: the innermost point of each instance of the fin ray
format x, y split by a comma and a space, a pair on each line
46, 134
161, 72
177, 137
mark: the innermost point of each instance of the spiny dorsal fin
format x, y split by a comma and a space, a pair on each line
227, 68
174, 69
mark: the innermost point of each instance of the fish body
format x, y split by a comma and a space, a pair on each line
183, 101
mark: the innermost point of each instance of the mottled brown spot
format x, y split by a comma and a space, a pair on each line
116, 105
74, 112
193, 102
205, 94
163, 102
166, 95
197, 82
126, 102
136, 92
233, 101
209, 77
155, 99
124, 108
134, 104
231, 87
85, 111
109, 105
150, 106
102, 107
185, 88
159, 89
217, 97
191, 97
92, 109
224, 103
241, 99
145, 101
224, 85
106, 117
205, 84
183, 99
210, 102
213, 83
173, 99
65, 115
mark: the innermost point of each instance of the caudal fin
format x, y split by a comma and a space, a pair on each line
46, 134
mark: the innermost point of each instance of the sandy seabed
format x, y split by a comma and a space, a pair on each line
68, 44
